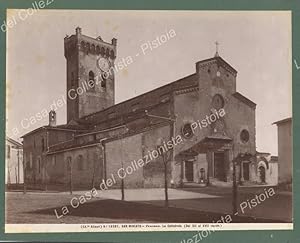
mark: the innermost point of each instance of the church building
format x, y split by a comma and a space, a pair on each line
213, 121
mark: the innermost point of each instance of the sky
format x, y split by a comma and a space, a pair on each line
256, 44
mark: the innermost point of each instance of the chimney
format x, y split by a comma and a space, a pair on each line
52, 118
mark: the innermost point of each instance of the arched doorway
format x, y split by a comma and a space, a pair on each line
262, 174
246, 170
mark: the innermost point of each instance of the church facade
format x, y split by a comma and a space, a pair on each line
201, 120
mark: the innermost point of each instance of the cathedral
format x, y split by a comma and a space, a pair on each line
213, 121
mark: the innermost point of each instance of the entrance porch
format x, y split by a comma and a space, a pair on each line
206, 161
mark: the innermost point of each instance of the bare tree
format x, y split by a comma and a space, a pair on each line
165, 155
94, 172
165, 158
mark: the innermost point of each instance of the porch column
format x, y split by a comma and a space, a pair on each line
183, 171
209, 165
242, 171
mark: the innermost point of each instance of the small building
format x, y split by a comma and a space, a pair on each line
14, 162
266, 169
285, 150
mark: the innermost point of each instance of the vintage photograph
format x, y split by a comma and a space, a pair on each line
148, 120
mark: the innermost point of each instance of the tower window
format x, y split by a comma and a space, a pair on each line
91, 80
93, 48
103, 82
112, 54
104, 76
87, 48
102, 52
97, 50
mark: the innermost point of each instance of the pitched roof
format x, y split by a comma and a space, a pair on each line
143, 101
289, 119
244, 99
64, 127
221, 62
14, 142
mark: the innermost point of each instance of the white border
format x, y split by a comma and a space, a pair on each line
58, 228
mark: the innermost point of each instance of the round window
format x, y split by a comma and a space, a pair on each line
187, 131
244, 136
218, 102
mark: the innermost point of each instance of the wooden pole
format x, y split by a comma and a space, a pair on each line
24, 176
122, 164
234, 189
71, 177
45, 174
94, 171
16, 174
18, 166
122, 179
166, 181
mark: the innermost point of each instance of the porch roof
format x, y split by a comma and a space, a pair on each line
208, 143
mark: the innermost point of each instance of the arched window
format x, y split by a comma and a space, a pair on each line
103, 81
97, 50
80, 165
102, 51
112, 54
91, 81
87, 48
93, 48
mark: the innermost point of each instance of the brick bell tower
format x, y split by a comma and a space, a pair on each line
90, 74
